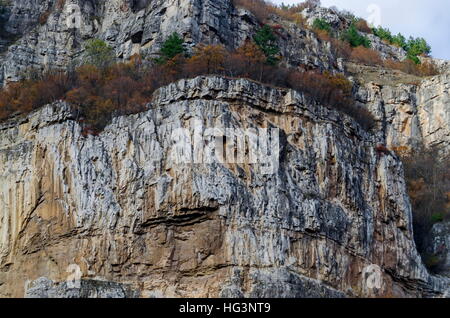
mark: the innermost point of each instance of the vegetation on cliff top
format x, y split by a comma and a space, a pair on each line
100, 90
352, 43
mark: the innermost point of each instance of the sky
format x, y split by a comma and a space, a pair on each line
428, 19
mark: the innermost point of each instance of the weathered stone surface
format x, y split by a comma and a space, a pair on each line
341, 21
138, 224
440, 247
412, 114
45, 288
58, 42
118, 207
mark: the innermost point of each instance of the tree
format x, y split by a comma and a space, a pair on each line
417, 47
400, 41
172, 47
247, 61
266, 40
208, 59
428, 180
382, 33
355, 39
321, 24
98, 53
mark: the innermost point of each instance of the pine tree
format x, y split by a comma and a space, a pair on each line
266, 40
98, 53
172, 47
355, 39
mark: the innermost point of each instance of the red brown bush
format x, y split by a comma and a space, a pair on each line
97, 95
366, 56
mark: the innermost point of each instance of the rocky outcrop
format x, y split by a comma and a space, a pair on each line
168, 213
57, 42
46, 288
439, 247
165, 203
413, 114
340, 21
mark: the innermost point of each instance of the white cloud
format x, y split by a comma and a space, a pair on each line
427, 19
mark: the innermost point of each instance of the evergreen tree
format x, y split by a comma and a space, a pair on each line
321, 24
355, 39
266, 40
98, 53
172, 47
417, 47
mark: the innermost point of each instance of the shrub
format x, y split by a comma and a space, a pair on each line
410, 67
366, 56
320, 24
266, 40
207, 59
60, 5
341, 48
355, 39
23, 97
247, 61
97, 95
43, 18
172, 47
260, 9
98, 53
263, 9
362, 26
3, 5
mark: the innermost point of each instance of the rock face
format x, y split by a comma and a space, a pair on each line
329, 216
185, 199
57, 41
440, 247
342, 20
413, 114
46, 288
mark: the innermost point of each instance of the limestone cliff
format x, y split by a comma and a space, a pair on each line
117, 207
122, 215
131, 29
413, 114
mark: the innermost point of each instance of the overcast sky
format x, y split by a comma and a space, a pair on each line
428, 19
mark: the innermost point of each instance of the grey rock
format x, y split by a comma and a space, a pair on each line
46, 288
440, 246
332, 213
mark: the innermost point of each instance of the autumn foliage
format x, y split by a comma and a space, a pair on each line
97, 94
363, 26
409, 67
365, 56
207, 59
428, 180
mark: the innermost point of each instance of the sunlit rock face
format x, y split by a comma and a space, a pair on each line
330, 219
133, 212
132, 27
413, 115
